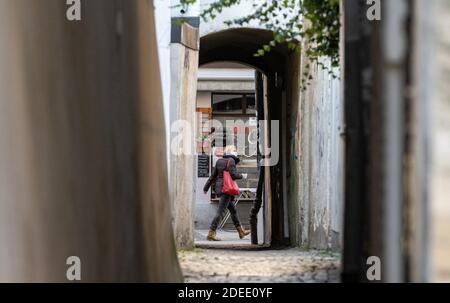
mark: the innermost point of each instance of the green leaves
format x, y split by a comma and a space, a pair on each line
287, 19
260, 53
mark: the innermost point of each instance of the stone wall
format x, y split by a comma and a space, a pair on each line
184, 69
315, 152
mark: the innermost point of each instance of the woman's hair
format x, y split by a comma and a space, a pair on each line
229, 149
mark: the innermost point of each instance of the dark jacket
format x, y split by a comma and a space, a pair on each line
217, 174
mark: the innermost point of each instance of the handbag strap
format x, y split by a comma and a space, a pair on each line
228, 165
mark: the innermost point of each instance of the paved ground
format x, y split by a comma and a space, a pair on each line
258, 266
229, 239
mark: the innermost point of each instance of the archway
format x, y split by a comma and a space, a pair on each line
272, 90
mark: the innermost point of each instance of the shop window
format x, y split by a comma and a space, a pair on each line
233, 104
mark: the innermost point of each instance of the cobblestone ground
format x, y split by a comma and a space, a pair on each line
259, 266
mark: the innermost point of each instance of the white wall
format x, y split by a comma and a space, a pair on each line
163, 28
192, 10
247, 74
204, 99
242, 9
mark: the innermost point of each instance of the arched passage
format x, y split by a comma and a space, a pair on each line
241, 45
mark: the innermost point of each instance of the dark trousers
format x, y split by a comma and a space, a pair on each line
259, 192
226, 202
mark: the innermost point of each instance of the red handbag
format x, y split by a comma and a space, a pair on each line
230, 186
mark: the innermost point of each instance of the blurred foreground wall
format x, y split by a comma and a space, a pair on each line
440, 190
386, 91
82, 144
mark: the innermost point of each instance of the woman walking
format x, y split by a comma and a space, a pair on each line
227, 162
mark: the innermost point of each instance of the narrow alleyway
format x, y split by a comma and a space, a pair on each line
259, 266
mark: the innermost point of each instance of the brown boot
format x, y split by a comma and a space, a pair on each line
212, 236
242, 232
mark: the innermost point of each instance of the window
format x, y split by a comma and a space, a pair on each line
234, 104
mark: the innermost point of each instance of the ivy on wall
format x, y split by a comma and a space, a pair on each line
317, 22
